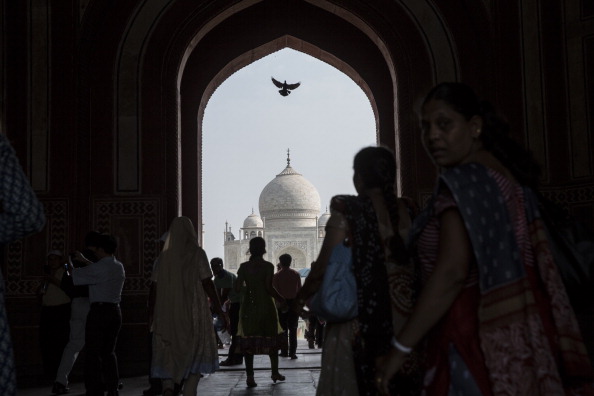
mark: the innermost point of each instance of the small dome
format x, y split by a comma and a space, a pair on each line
253, 221
323, 219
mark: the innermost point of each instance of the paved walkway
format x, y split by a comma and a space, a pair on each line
301, 378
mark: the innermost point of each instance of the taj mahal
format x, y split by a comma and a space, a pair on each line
289, 221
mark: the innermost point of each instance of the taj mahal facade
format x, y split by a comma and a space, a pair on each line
289, 221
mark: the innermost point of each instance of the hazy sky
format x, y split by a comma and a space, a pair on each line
248, 127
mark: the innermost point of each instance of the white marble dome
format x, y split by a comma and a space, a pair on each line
253, 221
290, 196
323, 219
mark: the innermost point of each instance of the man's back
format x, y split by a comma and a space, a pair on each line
287, 282
105, 279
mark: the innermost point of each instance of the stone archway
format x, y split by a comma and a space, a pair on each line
374, 72
190, 59
142, 69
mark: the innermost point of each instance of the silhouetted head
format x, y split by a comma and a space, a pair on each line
91, 238
375, 167
216, 265
285, 260
257, 247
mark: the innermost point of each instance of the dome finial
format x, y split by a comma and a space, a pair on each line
288, 158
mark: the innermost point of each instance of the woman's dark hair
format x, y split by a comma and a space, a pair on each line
257, 247
376, 167
494, 132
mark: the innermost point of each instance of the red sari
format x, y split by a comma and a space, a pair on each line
511, 330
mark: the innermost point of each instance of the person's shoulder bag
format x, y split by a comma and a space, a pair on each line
336, 300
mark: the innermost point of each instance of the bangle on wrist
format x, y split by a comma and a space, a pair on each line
404, 349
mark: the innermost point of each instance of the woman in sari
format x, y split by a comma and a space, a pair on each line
372, 224
493, 307
184, 342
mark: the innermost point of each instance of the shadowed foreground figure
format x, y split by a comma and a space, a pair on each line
285, 89
492, 305
373, 225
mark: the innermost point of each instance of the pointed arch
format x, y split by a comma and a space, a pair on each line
174, 54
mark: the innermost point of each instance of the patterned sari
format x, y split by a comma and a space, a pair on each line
511, 330
385, 294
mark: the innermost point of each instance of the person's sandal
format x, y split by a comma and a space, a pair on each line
277, 377
250, 382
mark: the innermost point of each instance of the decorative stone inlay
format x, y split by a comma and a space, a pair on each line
147, 213
277, 245
18, 280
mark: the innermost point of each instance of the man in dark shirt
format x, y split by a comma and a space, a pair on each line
224, 282
288, 283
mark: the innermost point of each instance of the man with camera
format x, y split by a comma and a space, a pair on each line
106, 280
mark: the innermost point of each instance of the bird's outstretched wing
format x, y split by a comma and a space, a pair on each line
277, 83
293, 86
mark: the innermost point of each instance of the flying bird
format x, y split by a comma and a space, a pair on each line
285, 89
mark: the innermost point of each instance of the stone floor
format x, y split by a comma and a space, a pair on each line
301, 378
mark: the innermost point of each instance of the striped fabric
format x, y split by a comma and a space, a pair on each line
21, 213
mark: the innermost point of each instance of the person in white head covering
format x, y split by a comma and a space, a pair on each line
156, 386
184, 343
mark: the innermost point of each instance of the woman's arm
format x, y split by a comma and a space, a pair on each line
239, 281
442, 288
211, 292
270, 289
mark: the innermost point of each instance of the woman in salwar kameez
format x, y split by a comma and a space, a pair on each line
259, 329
